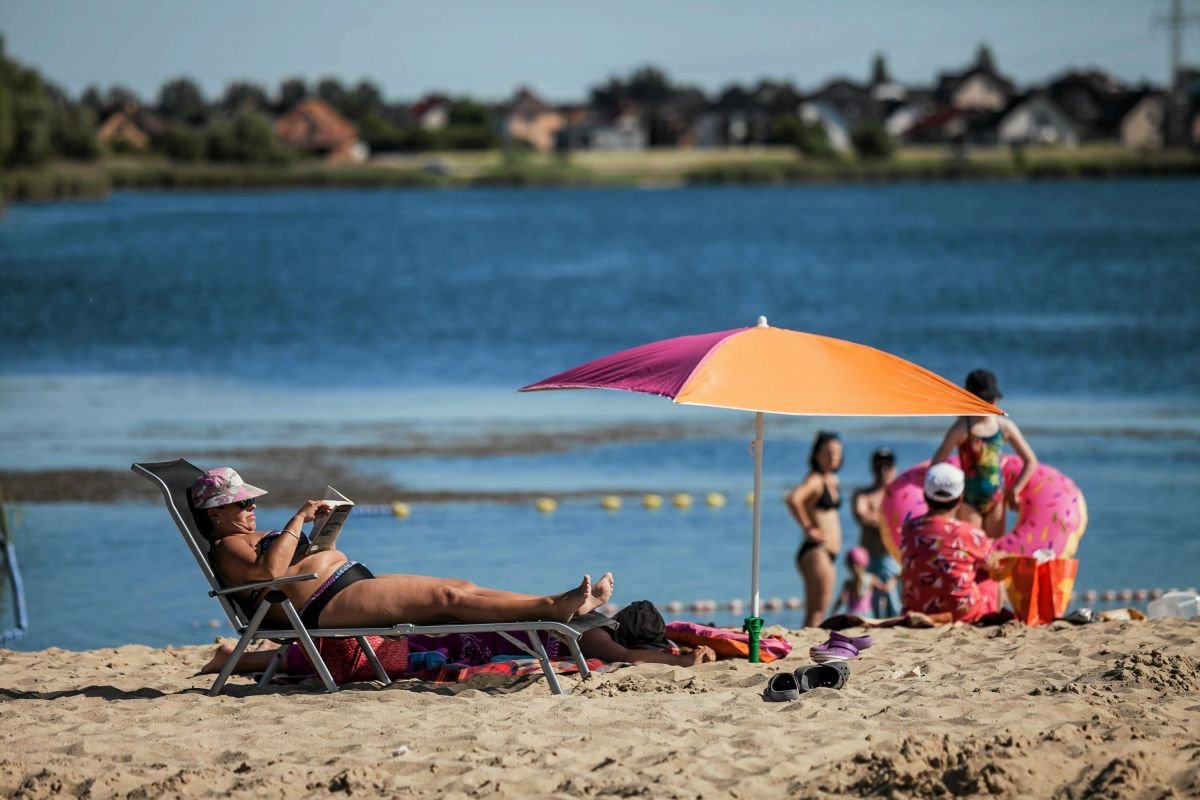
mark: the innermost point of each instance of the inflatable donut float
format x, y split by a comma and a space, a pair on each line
1052, 513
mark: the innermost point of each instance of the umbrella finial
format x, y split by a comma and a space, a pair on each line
762, 322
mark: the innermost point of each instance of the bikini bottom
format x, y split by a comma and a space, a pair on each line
346, 574
809, 544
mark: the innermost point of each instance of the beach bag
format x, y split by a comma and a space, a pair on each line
1039, 592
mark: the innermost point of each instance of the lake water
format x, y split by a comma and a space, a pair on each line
157, 324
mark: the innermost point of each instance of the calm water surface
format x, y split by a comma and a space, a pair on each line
170, 323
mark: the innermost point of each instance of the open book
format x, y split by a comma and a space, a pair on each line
325, 529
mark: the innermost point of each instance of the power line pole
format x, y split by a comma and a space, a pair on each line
1177, 100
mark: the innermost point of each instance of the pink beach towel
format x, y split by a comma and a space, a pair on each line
725, 642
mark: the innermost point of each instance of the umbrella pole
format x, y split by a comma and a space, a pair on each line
753, 624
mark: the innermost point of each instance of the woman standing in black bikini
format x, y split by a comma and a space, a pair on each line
347, 594
814, 505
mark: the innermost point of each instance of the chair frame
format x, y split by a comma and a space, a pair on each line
173, 478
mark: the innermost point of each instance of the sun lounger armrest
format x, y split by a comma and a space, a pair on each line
263, 584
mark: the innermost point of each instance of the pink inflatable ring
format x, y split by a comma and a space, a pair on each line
1052, 513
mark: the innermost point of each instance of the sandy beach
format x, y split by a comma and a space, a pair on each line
1103, 710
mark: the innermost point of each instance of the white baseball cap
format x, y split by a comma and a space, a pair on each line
943, 482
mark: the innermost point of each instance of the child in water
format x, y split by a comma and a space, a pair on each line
859, 588
980, 444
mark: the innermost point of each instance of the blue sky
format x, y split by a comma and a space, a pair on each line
561, 47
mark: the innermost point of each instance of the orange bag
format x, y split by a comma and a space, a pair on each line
1039, 593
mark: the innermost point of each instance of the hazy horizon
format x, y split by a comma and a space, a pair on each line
487, 50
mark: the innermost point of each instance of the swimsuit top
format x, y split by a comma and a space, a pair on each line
265, 542
826, 502
980, 456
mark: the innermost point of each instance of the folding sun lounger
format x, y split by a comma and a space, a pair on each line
173, 478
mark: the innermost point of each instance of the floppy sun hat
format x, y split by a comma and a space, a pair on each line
222, 486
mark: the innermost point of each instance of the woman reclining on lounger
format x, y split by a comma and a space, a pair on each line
346, 594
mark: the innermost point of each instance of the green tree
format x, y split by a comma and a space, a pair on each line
8, 132
120, 98
181, 143
468, 113
91, 98
28, 103
73, 132
785, 129
466, 137
291, 92
248, 138
244, 96
379, 133
365, 98
256, 140
331, 91
813, 142
871, 141
180, 100
649, 86
806, 136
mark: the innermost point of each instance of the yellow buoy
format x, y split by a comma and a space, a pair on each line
682, 500
400, 509
749, 498
714, 499
652, 501
545, 504
610, 502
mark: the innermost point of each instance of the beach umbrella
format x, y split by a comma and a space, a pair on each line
762, 369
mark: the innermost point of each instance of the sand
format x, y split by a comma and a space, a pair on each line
1103, 710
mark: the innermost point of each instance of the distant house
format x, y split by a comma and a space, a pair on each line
944, 126
980, 87
431, 112
836, 127
852, 103
708, 130
1035, 119
1141, 118
119, 131
1085, 96
900, 117
1184, 106
314, 126
529, 119
882, 88
625, 132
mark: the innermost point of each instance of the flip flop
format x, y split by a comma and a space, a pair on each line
832, 676
832, 651
782, 687
858, 642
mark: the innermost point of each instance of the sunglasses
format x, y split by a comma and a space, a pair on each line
243, 504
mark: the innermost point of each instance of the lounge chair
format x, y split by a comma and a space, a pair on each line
174, 478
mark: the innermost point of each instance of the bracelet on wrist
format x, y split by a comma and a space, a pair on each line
293, 533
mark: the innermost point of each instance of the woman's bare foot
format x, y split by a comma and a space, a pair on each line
567, 604
599, 595
222, 654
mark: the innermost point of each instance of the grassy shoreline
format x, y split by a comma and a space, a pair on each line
73, 181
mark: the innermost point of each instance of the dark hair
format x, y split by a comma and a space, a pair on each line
938, 506
982, 384
200, 516
823, 438
882, 457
